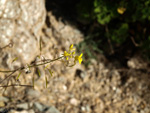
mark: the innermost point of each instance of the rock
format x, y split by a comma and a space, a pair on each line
4, 99
20, 24
2, 104
31, 111
74, 101
52, 110
137, 63
87, 108
24, 111
66, 33
1, 110
33, 93
64, 87
23, 106
38, 106
4, 110
83, 108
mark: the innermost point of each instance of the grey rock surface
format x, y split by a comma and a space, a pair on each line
52, 110
38, 106
31, 93
23, 106
4, 99
20, 22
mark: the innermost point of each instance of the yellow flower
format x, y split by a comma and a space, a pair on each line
70, 55
66, 54
121, 10
78, 58
67, 58
71, 48
73, 53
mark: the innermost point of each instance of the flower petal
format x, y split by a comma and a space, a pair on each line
71, 46
81, 55
80, 60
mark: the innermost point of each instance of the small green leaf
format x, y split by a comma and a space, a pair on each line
46, 81
39, 72
14, 59
28, 66
46, 67
18, 76
51, 73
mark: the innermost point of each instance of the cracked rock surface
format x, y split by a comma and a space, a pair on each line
20, 24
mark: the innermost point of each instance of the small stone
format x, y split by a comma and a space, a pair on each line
93, 61
52, 110
39, 106
23, 0
1, 110
87, 108
2, 104
74, 101
114, 88
83, 108
31, 104
142, 111
23, 106
24, 111
31, 111
64, 87
136, 63
33, 93
4, 99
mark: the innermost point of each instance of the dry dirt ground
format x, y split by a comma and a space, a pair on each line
102, 87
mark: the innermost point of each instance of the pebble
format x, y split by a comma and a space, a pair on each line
38, 106
2, 104
52, 109
1, 110
33, 93
64, 87
83, 108
87, 108
23, 106
74, 101
24, 111
4, 99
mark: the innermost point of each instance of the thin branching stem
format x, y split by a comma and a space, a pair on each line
30, 66
17, 85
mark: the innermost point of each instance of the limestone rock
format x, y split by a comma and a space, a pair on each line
20, 22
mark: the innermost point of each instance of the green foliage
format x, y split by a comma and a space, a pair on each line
120, 34
89, 47
104, 11
118, 20
18, 76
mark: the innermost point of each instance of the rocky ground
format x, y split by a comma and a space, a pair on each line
102, 87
